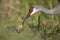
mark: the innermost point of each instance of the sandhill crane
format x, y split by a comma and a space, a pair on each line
35, 8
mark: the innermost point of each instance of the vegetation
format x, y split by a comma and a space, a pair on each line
40, 26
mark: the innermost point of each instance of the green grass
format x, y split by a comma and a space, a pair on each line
49, 28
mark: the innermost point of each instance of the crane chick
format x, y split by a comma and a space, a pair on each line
19, 27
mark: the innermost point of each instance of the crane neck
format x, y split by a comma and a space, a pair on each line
47, 11
55, 10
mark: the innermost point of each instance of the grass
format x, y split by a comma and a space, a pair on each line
13, 12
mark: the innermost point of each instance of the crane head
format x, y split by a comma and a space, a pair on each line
32, 10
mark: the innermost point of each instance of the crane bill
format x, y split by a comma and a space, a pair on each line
25, 18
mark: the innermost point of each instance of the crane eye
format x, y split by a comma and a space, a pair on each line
31, 10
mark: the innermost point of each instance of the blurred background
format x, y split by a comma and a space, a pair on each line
40, 26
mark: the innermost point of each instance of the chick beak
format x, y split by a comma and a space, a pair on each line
25, 18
